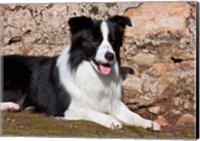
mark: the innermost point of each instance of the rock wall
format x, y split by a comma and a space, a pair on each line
158, 54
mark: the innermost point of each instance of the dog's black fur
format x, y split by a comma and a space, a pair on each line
34, 81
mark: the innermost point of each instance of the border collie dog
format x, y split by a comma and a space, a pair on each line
83, 83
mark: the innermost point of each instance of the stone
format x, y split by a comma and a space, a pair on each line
11, 32
145, 51
154, 109
22, 20
162, 122
25, 51
186, 119
177, 101
187, 105
18, 23
133, 82
188, 65
176, 112
144, 59
12, 6
185, 56
162, 68
154, 17
142, 111
54, 17
163, 83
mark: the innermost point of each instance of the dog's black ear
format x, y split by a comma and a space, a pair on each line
78, 23
121, 20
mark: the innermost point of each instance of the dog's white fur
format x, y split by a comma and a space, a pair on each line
96, 97
9, 106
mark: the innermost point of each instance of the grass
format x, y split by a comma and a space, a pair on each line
31, 124
189, 133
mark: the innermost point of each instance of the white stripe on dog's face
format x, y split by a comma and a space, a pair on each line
105, 46
104, 30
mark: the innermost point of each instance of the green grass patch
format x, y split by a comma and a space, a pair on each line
189, 133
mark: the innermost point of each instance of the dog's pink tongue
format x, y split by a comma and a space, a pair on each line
105, 69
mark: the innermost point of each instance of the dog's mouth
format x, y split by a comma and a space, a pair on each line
104, 69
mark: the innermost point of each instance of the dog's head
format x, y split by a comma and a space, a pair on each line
97, 41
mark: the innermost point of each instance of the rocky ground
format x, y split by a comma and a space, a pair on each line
158, 55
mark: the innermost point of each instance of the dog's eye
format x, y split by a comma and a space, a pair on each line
111, 39
95, 41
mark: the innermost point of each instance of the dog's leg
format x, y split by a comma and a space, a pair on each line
122, 113
94, 116
9, 106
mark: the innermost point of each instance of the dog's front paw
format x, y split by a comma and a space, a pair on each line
156, 126
115, 125
10, 106
152, 125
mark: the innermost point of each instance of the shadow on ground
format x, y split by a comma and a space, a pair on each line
32, 124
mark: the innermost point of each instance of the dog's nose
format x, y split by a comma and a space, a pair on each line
109, 56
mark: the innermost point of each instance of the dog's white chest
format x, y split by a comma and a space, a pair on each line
98, 91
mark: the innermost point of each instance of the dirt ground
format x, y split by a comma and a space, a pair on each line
35, 124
